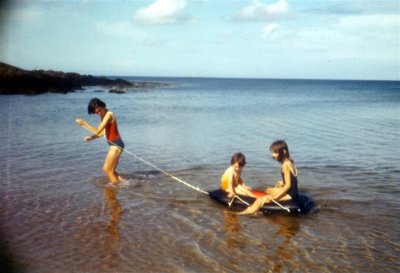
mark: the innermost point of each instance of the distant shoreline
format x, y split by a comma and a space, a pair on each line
17, 81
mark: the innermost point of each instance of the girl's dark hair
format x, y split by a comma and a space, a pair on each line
238, 158
281, 148
93, 103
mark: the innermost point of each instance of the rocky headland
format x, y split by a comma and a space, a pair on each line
14, 80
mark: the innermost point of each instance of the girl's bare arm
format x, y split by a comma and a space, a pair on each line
285, 188
231, 188
107, 118
97, 132
86, 125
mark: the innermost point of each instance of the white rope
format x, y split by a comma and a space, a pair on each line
282, 207
233, 198
164, 172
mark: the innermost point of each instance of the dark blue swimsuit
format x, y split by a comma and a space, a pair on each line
293, 191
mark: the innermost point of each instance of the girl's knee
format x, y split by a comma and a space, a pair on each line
269, 190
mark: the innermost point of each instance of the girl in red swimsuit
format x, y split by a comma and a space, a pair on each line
107, 126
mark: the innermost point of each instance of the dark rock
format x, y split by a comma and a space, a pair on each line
116, 91
14, 80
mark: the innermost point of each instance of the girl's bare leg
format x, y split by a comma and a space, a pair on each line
120, 178
110, 164
253, 208
243, 191
273, 191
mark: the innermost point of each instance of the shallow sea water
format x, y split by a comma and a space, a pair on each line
58, 215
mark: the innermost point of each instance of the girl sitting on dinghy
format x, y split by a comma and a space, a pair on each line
284, 190
231, 181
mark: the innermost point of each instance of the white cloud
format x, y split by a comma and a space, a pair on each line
268, 29
363, 37
258, 11
353, 7
162, 12
377, 22
125, 30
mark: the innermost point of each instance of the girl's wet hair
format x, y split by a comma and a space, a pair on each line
281, 148
238, 158
93, 103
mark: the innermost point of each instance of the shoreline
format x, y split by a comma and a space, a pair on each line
17, 81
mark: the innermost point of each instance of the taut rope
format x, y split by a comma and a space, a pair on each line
164, 172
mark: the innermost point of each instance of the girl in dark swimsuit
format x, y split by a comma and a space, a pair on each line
286, 189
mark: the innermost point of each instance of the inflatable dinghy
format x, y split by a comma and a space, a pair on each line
301, 205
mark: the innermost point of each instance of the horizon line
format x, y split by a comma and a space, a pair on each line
248, 78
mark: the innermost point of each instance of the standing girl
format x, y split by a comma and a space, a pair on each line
108, 125
286, 189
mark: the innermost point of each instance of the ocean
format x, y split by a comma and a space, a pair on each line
58, 215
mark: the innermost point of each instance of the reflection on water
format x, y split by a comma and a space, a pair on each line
115, 210
287, 228
278, 247
232, 229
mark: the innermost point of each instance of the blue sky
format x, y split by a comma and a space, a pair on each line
330, 39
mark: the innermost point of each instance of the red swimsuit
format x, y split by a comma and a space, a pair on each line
112, 134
